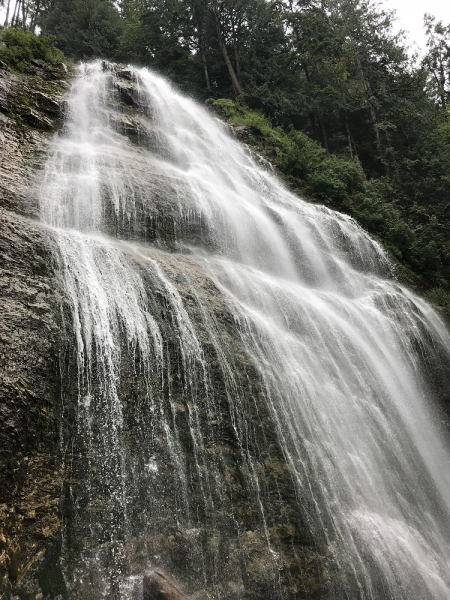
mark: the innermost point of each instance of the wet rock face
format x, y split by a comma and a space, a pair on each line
47, 71
29, 384
235, 543
198, 519
30, 110
158, 587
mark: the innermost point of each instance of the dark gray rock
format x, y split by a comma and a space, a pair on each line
46, 70
29, 386
36, 119
47, 103
244, 133
227, 546
124, 124
39, 63
29, 457
157, 587
28, 116
126, 74
128, 93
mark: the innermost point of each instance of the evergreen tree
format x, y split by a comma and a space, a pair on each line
84, 28
333, 70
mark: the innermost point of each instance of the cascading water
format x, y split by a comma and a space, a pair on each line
207, 304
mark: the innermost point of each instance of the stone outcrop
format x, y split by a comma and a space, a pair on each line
157, 587
30, 110
29, 382
47, 71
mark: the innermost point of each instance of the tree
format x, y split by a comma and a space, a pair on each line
84, 28
437, 60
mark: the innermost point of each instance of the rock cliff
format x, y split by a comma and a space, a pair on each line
29, 386
41, 474
144, 438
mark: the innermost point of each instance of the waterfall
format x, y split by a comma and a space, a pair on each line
248, 393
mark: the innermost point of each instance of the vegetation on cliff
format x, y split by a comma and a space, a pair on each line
340, 183
331, 93
21, 47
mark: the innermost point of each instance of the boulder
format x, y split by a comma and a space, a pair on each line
157, 587
124, 124
244, 133
37, 62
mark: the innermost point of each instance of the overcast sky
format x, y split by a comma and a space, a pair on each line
410, 17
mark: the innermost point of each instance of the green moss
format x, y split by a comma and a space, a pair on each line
22, 100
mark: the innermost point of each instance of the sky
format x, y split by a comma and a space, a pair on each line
410, 18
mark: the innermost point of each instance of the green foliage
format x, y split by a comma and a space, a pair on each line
159, 33
326, 87
84, 29
339, 182
328, 179
439, 296
23, 46
437, 60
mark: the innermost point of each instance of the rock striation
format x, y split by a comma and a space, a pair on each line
30, 110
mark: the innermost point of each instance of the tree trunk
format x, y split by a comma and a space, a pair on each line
323, 134
351, 144
19, 8
234, 80
8, 6
237, 63
36, 12
316, 115
205, 70
373, 116
442, 83
15, 19
24, 14
199, 16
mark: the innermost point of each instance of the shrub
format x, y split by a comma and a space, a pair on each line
339, 182
440, 296
23, 46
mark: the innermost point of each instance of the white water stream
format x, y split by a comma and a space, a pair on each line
341, 347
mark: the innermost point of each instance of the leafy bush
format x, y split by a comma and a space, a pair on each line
339, 182
439, 296
23, 46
